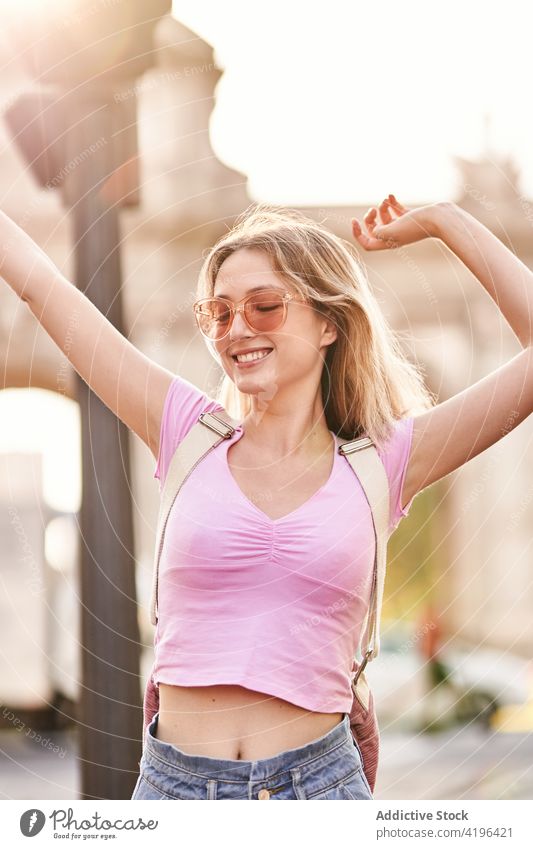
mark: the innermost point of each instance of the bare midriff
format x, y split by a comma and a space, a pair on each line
231, 722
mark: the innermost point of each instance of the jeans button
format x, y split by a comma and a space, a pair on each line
263, 794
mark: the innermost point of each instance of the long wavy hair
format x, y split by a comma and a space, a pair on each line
367, 382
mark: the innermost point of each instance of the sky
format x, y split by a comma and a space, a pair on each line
346, 101
335, 103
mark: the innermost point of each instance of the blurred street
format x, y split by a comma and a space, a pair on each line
461, 763
30, 771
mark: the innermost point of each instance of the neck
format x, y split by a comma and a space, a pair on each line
298, 431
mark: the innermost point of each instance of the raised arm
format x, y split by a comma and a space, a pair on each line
129, 383
454, 431
504, 276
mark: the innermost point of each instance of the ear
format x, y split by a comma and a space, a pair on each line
329, 331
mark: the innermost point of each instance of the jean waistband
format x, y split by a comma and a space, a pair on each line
155, 751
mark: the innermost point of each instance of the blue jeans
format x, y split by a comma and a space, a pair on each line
327, 768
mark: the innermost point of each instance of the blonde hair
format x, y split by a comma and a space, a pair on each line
367, 381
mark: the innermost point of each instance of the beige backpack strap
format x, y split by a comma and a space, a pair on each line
206, 433
364, 459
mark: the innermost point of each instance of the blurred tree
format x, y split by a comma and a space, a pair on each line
416, 558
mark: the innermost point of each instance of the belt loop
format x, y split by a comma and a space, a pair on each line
297, 783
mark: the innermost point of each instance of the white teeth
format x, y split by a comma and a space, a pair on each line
255, 355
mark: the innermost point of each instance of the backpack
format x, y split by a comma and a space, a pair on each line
206, 434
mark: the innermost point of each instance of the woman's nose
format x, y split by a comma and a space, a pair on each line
239, 327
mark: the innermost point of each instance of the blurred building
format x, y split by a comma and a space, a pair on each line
189, 198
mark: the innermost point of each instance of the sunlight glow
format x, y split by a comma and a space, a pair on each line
345, 103
34, 420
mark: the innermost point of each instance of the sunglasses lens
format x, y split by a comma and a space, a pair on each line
264, 312
213, 317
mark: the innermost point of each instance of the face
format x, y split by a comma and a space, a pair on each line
296, 350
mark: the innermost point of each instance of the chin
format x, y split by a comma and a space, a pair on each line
249, 384
263, 394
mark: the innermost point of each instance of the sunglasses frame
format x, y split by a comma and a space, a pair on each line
240, 307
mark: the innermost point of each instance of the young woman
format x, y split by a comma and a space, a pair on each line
265, 573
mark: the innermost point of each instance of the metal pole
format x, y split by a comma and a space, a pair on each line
110, 717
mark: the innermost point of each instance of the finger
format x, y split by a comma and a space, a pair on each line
356, 227
370, 219
396, 205
367, 242
359, 234
384, 212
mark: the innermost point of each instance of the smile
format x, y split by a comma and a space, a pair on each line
248, 360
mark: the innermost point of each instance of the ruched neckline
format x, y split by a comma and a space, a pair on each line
239, 433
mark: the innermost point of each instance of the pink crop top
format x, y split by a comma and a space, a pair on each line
275, 606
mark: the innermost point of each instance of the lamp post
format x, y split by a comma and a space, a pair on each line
77, 130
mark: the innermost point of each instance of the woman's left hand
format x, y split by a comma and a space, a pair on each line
399, 226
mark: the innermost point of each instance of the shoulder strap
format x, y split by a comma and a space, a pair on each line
364, 459
191, 450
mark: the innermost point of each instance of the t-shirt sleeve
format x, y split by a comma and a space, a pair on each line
395, 457
183, 404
